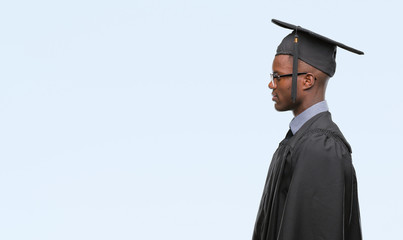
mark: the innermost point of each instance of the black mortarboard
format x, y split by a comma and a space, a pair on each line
312, 48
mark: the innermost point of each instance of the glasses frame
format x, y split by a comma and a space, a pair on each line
276, 76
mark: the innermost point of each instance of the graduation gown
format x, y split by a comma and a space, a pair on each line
311, 187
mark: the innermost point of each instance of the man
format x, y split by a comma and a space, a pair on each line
311, 188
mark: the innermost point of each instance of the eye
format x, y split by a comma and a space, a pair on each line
275, 75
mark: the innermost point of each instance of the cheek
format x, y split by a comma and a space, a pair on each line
285, 88
289, 85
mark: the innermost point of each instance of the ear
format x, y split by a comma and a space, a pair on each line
308, 81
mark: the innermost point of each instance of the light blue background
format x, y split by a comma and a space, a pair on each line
153, 120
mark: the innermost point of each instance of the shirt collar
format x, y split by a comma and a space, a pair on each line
302, 118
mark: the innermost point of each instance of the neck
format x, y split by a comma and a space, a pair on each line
305, 105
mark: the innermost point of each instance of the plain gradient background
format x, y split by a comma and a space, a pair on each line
152, 119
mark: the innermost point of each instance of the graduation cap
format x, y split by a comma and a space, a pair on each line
312, 48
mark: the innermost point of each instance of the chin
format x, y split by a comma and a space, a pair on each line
281, 108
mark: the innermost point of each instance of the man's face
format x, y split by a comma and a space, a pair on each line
282, 64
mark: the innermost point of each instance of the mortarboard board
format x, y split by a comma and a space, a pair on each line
312, 48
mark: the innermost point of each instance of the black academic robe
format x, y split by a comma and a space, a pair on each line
311, 187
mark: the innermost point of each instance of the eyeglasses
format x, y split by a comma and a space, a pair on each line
276, 76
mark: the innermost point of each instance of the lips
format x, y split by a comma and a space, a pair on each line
275, 97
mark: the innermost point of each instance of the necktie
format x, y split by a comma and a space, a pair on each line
289, 134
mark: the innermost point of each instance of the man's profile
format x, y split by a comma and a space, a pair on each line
311, 188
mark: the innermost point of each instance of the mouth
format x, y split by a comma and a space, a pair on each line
274, 97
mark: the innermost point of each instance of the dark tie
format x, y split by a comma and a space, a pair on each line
289, 134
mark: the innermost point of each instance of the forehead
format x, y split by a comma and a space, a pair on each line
282, 64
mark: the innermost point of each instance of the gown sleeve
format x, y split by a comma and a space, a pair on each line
314, 206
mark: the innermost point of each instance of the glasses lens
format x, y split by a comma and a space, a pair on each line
273, 76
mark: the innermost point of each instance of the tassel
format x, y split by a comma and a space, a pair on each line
295, 69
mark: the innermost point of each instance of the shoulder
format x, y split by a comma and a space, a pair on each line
323, 140
321, 129
321, 149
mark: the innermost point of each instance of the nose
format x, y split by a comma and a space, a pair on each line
272, 84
